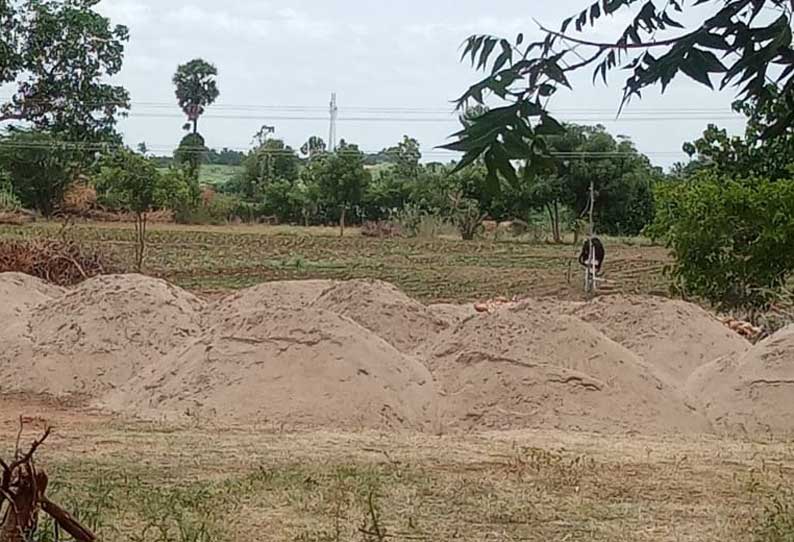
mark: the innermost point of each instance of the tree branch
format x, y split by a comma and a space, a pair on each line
607, 45
35, 446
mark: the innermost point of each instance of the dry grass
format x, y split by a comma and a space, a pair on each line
160, 482
209, 258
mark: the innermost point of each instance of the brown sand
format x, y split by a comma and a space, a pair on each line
452, 314
363, 355
383, 309
753, 393
290, 294
100, 334
296, 368
19, 293
675, 337
531, 367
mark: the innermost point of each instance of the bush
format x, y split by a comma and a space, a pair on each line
221, 209
776, 523
8, 200
733, 241
381, 229
39, 167
61, 262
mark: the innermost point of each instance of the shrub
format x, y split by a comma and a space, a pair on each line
776, 523
60, 262
381, 229
733, 240
39, 167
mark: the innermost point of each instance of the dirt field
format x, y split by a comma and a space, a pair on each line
211, 259
328, 410
161, 482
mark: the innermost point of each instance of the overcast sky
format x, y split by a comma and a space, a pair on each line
283, 59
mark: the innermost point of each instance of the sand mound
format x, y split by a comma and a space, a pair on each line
19, 293
452, 314
297, 368
383, 309
292, 294
673, 336
98, 335
753, 393
532, 367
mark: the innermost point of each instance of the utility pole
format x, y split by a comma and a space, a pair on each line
332, 132
592, 259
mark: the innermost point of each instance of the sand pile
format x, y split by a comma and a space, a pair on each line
291, 294
297, 368
531, 366
362, 355
19, 293
674, 337
752, 393
98, 335
383, 309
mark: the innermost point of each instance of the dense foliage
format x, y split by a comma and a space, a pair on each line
737, 41
733, 239
58, 55
39, 168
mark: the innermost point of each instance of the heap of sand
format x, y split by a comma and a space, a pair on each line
290, 294
362, 355
383, 309
674, 337
531, 366
19, 293
286, 367
753, 393
98, 335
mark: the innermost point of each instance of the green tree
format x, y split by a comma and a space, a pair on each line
272, 160
341, 179
131, 181
40, 168
190, 154
407, 156
58, 55
749, 155
313, 147
196, 89
733, 239
734, 41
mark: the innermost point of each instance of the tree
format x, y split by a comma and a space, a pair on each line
196, 88
749, 155
131, 181
39, 166
190, 154
741, 42
733, 239
271, 161
313, 147
341, 179
407, 158
58, 56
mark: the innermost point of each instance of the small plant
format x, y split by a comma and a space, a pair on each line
8, 201
776, 522
467, 216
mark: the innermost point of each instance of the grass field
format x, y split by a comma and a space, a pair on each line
196, 484
215, 175
223, 258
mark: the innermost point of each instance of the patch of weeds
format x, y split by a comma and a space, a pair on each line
776, 522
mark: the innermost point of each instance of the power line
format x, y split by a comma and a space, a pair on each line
89, 146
